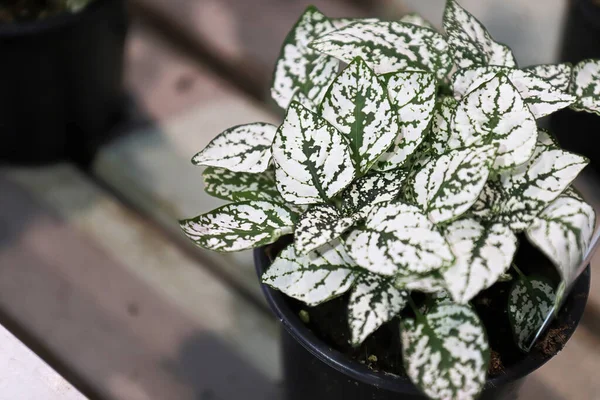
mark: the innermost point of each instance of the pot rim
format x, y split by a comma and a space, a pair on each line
31, 28
399, 384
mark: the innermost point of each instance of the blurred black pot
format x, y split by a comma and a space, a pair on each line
61, 83
580, 131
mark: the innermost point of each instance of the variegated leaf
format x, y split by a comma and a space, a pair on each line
305, 101
313, 278
446, 353
558, 75
373, 302
357, 105
483, 253
585, 85
430, 283
241, 186
243, 148
240, 226
470, 41
313, 158
300, 68
441, 124
541, 97
398, 238
529, 188
340, 23
319, 225
389, 47
563, 232
449, 185
416, 19
413, 97
529, 303
546, 138
365, 192
495, 113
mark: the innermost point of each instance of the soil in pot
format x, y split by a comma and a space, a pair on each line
382, 351
31, 10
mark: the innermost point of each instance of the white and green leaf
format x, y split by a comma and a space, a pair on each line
441, 124
300, 68
389, 47
542, 98
429, 283
470, 41
529, 303
340, 23
483, 253
313, 159
446, 353
563, 232
449, 185
416, 19
413, 97
558, 75
366, 192
585, 85
373, 302
495, 113
240, 226
319, 225
314, 278
241, 186
357, 105
398, 238
243, 148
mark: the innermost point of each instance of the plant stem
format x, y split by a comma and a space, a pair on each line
415, 309
521, 274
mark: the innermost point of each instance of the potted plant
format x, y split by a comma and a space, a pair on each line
61, 77
389, 205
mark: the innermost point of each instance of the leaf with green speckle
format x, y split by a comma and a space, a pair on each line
558, 75
585, 85
416, 19
319, 225
241, 186
441, 124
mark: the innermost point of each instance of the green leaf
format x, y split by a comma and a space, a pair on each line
319, 225
483, 253
373, 302
240, 226
416, 19
357, 105
563, 232
495, 113
398, 238
585, 85
529, 303
541, 97
314, 278
558, 75
413, 98
241, 186
389, 47
300, 68
449, 185
243, 148
441, 124
470, 41
365, 192
446, 353
313, 159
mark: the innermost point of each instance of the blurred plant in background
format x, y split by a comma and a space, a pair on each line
29, 10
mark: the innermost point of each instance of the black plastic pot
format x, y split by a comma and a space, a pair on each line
578, 131
313, 370
61, 83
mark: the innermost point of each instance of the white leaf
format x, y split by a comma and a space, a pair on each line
396, 239
243, 148
541, 97
430, 283
471, 42
357, 105
449, 185
483, 253
558, 75
313, 159
373, 302
416, 19
586, 86
446, 353
441, 124
319, 225
241, 186
413, 97
563, 232
388, 47
365, 192
340, 23
240, 226
300, 68
314, 278
495, 113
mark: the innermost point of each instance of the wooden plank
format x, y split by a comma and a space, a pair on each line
27, 377
130, 312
